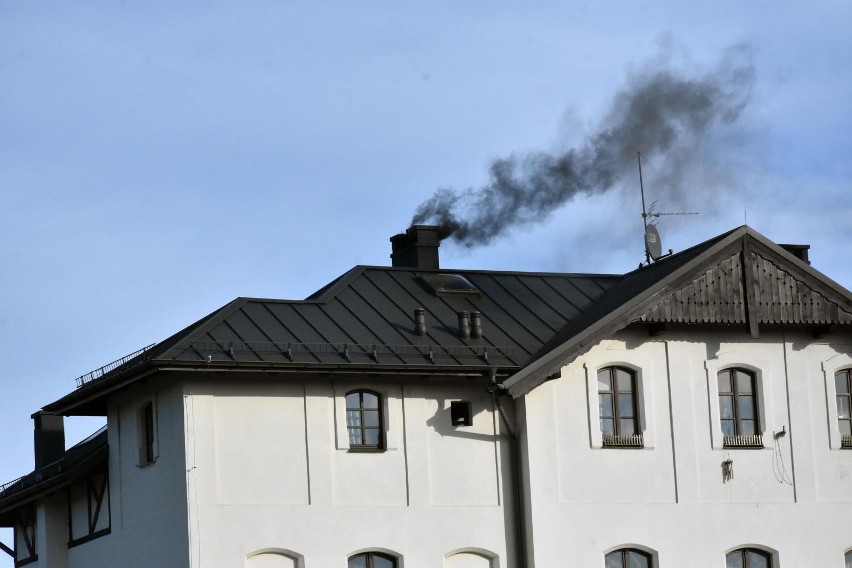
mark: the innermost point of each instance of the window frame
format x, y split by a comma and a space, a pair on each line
739, 439
148, 433
769, 556
845, 439
369, 555
630, 549
381, 444
617, 439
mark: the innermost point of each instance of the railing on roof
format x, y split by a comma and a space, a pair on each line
125, 362
348, 350
9, 484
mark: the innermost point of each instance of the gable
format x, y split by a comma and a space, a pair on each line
741, 278
755, 286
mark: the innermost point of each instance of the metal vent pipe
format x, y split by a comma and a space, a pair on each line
475, 325
464, 325
420, 321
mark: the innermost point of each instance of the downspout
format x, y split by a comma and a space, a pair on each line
515, 456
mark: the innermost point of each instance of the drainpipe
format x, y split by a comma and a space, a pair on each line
515, 456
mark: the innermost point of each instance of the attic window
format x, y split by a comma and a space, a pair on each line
443, 284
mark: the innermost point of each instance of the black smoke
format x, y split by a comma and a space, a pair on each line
665, 115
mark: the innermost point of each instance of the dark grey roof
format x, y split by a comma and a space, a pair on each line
365, 320
82, 458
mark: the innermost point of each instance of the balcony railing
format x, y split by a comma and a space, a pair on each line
628, 441
753, 441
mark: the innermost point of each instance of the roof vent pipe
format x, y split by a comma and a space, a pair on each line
420, 321
475, 325
464, 325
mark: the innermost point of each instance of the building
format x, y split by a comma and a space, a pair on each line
693, 412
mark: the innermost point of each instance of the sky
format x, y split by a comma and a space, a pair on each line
157, 161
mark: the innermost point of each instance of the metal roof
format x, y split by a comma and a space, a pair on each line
365, 320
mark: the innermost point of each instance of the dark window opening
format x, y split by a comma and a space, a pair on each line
364, 420
627, 558
618, 408
738, 409
372, 560
748, 558
460, 414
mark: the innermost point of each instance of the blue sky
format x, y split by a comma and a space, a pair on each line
158, 161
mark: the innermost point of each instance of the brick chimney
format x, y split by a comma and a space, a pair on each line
799, 251
48, 438
417, 247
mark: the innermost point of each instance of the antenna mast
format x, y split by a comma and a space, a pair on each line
644, 212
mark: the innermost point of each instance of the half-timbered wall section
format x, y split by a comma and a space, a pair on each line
25, 535
88, 508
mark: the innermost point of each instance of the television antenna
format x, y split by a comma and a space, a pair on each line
653, 244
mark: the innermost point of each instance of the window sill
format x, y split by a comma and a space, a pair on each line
734, 442
635, 441
366, 450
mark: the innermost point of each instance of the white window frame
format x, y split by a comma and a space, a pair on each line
829, 368
765, 407
640, 365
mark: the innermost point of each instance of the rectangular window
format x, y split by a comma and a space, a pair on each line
738, 409
843, 391
147, 425
364, 420
618, 409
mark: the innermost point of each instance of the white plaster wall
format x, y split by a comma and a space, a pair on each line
790, 497
148, 504
434, 491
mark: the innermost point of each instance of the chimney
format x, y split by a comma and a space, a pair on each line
799, 251
417, 247
48, 438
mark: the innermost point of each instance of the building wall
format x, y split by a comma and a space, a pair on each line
148, 519
269, 465
791, 497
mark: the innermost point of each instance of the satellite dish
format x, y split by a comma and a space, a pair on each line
653, 246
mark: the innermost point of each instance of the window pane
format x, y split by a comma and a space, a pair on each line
724, 381
371, 437
370, 400
757, 559
625, 405
745, 407
734, 560
605, 405
371, 418
607, 427
840, 382
627, 427
625, 380
637, 560
359, 561
845, 428
726, 407
353, 418
743, 382
748, 428
843, 407
379, 562
604, 380
353, 400
728, 428
355, 437
613, 560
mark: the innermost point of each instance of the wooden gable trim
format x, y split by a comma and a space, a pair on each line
749, 280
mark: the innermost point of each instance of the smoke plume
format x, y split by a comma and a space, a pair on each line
663, 114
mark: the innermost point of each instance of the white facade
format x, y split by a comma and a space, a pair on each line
791, 498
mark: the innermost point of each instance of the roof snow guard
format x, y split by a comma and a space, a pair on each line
118, 365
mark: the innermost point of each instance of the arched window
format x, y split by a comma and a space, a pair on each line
628, 558
843, 387
372, 560
738, 408
748, 558
848, 558
364, 420
618, 407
